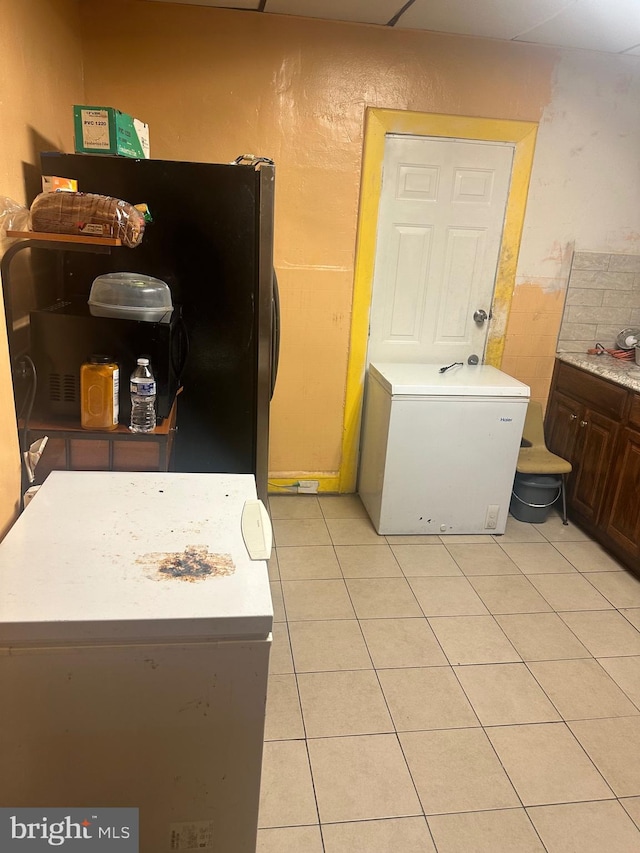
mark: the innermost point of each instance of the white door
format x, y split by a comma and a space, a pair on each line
440, 226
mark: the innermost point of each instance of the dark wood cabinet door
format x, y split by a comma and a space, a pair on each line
623, 511
594, 423
596, 437
561, 428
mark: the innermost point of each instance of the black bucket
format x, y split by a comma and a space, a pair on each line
533, 495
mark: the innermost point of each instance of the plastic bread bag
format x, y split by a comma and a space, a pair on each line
13, 216
88, 215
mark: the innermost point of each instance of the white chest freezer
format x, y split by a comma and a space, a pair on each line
439, 450
134, 643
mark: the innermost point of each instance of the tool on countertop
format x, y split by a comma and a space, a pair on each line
627, 354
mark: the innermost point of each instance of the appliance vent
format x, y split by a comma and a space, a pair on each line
57, 306
63, 388
55, 387
69, 388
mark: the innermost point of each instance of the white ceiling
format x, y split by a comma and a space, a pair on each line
607, 25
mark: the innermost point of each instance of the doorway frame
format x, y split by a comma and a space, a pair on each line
379, 123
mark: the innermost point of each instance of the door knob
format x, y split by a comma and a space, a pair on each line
583, 423
480, 316
573, 417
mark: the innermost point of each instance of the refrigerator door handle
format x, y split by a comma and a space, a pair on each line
275, 333
179, 359
256, 530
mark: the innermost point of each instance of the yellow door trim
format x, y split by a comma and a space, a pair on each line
379, 123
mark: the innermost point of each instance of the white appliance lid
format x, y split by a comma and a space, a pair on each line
133, 557
419, 380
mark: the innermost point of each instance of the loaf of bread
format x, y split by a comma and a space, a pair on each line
88, 215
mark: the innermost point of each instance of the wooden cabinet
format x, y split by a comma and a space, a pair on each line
592, 458
586, 438
595, 424
71, 448
623, 516
563, 415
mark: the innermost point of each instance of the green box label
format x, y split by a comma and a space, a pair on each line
95, 129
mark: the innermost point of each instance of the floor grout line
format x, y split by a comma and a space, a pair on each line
455, 668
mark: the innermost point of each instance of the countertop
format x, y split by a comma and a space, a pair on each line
620, 371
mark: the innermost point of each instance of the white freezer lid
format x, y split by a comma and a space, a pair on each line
82, 563
421, 380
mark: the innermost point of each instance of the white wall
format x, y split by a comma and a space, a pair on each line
585, 188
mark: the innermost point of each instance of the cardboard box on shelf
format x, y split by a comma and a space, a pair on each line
53, 184
105, 130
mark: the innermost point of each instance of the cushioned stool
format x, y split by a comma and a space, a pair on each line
536, 459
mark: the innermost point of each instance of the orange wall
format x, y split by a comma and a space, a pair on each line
532, 335
213, 84
40, 76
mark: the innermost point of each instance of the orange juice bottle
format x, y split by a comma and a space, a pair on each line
99, 390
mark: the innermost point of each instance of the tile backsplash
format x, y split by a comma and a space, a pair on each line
603, 297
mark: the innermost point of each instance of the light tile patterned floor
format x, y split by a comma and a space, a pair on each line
448, 694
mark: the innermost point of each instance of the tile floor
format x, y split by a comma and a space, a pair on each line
461, 695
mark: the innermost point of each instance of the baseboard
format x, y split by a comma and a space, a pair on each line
327, 483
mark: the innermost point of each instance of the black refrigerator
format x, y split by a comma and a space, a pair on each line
211, 241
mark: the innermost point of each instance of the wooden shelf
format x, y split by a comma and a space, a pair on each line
45, 237
72, 448
72, 425
122, 430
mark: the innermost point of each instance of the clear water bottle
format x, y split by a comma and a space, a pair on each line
143, 398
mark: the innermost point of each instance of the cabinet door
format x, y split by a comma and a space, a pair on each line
623, 516
594, 448
561, 428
